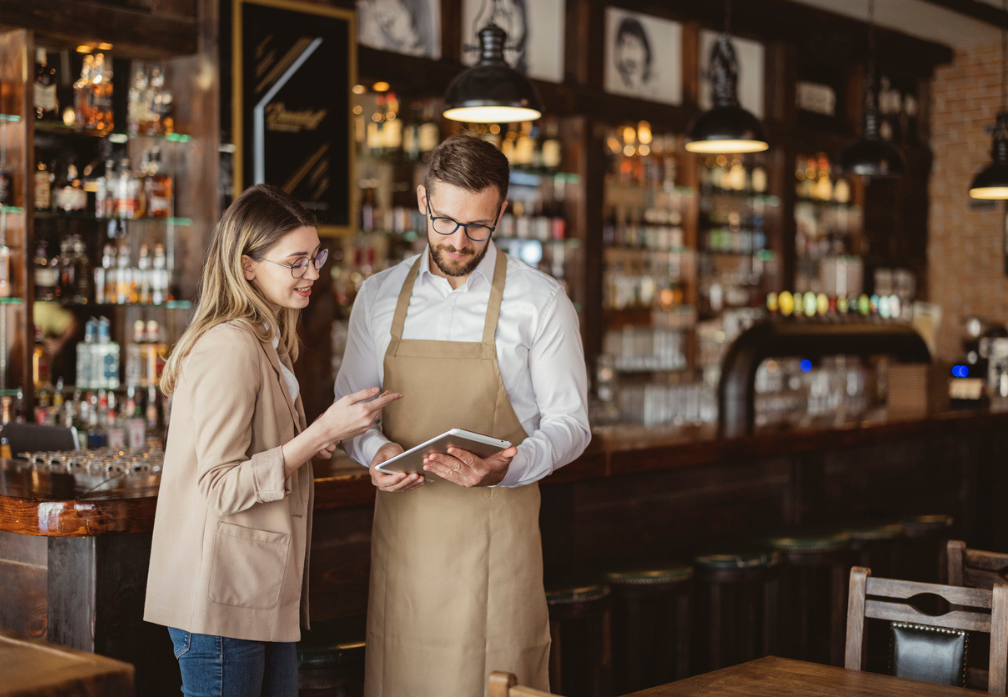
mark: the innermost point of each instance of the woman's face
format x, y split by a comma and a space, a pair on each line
275, 282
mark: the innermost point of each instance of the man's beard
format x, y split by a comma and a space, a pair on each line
448, 266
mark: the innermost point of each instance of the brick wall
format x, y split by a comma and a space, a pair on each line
965, 244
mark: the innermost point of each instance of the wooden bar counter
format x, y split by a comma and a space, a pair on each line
74, 550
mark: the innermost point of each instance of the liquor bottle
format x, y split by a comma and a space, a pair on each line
67, 282
159, 277
105, 359
158, 187
124, 276
82, 94
46, 275
136, 112
152, 411
125, 191
157, 351
136, 359
42, 193
105, 280
136, 426
83, 277
142, 276
84, 350
40, 360
5, 271
157, 104
101, 89
46, 104
109, 196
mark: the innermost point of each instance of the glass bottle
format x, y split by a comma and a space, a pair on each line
124, 276
83, 275
159, 276
40, 360
136, 104
82, 93
46, 104
5, 271
46, 275
142, 276
158, 187
101, 88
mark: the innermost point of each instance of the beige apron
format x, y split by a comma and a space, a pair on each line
456, 574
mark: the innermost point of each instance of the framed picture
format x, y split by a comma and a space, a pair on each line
294, 64
412, 27
535, 29
751, 66
643, 56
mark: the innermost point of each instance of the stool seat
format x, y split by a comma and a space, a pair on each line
874, 533
330, 654
922, 525
810, 543
650, 576
747, 560
576, 594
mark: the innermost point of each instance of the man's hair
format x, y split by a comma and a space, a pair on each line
468, 163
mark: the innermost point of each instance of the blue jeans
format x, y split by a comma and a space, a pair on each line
214, 666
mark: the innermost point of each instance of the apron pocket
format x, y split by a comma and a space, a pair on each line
248, 566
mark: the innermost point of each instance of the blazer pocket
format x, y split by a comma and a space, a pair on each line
248, 566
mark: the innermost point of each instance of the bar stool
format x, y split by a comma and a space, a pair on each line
924, 550
737, 608
581, 652
876, 546
650, 626
815, 584
331, 668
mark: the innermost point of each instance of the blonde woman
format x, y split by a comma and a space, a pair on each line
229, 557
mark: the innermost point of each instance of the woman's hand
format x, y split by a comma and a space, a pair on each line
351, 415
394, 481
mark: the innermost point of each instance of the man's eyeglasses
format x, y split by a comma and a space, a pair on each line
300, 267
477, 232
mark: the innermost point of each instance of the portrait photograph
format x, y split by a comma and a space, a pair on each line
535, 30
643, 56
412, 27
750, 56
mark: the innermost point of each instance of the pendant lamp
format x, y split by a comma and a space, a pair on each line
869, 155
992, 182
492, 91
726, 127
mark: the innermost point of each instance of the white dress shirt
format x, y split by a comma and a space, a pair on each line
289, 379
539, 353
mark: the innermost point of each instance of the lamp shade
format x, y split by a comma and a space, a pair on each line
726, 129
871, 157
492, 91
992, 181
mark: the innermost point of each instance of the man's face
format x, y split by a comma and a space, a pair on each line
456, 254
631, 57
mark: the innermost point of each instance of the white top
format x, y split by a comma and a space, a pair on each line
292, 384
538, 350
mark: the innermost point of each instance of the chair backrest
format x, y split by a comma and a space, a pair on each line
502, 684
28, 438
975, 568
974, 609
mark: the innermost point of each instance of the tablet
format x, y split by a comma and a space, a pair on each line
412, 459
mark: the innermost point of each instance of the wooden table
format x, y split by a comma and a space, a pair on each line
781, 677
41, 669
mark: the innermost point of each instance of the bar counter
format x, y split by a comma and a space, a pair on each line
74, 550
57, 504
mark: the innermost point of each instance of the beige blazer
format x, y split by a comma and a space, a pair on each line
229, 555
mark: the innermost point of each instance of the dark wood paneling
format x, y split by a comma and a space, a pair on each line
133, 32
340, 563
23, 601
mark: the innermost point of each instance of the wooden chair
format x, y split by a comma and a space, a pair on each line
977, 610
975, 568
506, 685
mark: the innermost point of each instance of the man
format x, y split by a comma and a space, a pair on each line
473, 339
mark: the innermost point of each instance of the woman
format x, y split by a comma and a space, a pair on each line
229, 556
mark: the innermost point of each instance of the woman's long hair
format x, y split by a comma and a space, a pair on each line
256, 221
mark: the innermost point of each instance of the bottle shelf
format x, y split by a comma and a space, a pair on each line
761, 254
821, 203
170, 305
11, 118
115, 136
58, 215
13, 210
10, 393
11, 301
750, 196
571, 243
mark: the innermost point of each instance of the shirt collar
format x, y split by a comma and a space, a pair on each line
485, 268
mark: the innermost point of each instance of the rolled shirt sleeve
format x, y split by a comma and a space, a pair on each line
560, 380
224, 392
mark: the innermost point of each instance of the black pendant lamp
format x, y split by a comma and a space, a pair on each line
992, 182
726, 127
869, 155
492, 91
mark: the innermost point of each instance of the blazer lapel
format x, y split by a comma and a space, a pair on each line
271, 354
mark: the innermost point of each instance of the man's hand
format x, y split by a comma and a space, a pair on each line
465, 469
395, 481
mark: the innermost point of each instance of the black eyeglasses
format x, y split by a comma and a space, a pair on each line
300, 267
447, 226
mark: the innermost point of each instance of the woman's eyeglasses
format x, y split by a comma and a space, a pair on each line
300, 267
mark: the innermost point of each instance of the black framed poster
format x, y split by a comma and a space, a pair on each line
294, 64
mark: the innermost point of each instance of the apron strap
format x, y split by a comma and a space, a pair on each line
494, 304
399, 318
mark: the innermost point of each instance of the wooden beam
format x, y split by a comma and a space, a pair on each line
133, 32
976, 10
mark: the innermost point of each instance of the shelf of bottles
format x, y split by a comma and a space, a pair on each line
829, 244
106, 232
